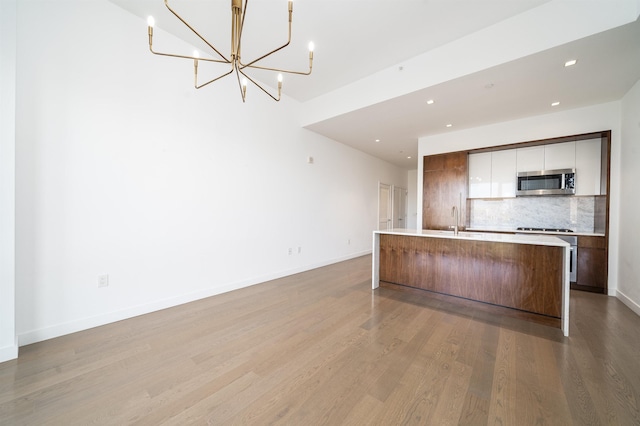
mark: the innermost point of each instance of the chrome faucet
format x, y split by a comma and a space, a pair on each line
454, 213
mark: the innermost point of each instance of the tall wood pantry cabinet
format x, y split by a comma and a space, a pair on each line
444, 186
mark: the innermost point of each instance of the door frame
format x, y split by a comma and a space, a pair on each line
391, 204
395, 215
389, 188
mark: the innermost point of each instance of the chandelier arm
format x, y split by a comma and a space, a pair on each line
243, 89
279, 70
273, 51
215, 79
187, 57
260, 87
166, 3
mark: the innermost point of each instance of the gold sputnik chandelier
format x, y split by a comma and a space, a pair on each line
239, 68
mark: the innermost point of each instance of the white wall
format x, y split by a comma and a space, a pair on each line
412, 210
8, 342
571, 122
629, 251
124, 169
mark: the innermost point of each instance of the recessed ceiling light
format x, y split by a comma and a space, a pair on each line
430, 101
449, 125
555, 103
489, 86
377, 140
409, 157
571, 62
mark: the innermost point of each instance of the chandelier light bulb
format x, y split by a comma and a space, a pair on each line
150, 21
279, 78
196, 54
311, 46
244, 83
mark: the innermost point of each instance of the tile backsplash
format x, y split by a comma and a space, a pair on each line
575, 213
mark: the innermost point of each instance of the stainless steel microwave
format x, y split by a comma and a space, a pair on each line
547, 182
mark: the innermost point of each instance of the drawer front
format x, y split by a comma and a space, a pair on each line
592, 242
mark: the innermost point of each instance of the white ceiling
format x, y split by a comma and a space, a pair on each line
357, 38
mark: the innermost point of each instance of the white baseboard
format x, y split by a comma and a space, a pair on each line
10, 352
628, 301
58, 330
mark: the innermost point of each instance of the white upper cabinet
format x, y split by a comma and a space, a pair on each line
546, 157
530, 159
480, 175
492, 174
588, 167
560, 156
503, 173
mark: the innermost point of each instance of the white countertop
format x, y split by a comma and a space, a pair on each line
585, 234
532, 239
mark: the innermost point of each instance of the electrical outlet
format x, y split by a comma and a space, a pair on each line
103, 281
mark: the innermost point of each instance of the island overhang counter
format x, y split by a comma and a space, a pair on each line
529, 273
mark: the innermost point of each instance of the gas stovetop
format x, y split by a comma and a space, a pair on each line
545, 229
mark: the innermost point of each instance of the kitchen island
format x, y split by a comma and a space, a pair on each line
525, 272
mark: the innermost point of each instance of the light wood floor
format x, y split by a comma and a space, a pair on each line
321, 348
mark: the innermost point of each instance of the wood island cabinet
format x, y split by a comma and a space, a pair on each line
592, 264
444, 186
527, 273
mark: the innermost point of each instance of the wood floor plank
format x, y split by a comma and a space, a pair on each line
414, 398
535, 398
451, 401
355, 372
577, 394
595, 379
365, 412
302, 379
211, 408
476, 405
553, 404
321, 347
502, 408
389, 379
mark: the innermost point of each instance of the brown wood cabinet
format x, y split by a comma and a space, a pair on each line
527, 277
592, 264
444, 186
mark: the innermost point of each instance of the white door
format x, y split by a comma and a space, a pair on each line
384, 207
399, 207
